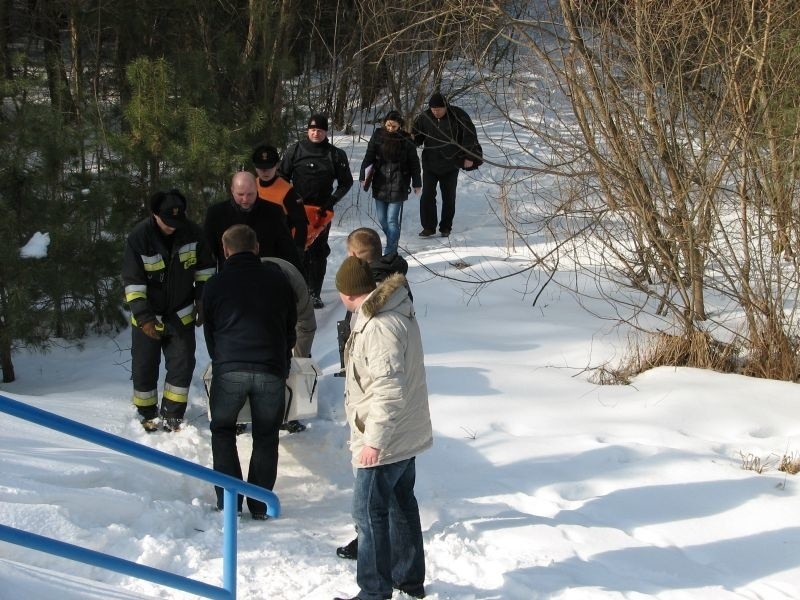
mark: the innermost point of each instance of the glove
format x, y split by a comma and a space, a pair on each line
199, 317
327, 206
152, 329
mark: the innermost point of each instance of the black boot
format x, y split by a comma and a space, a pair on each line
350, 551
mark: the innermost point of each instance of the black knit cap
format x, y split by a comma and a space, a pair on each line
437, 101
354, 277
318, 121
395, 116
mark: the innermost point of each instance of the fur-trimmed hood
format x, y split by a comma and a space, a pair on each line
386, 394
391, 294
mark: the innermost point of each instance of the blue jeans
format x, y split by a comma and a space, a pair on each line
390, 552
389, 216
267, 394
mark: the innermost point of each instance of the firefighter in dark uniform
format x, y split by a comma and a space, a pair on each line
166, 263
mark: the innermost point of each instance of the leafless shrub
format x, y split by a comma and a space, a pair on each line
790, 463
750, 462
608, 375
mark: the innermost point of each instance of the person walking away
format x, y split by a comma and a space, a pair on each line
165, 265
249, 329
450, 143
386, 402
392, 157
313, 166
277, 190
244, 208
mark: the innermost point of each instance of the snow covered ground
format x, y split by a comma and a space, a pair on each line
539, 485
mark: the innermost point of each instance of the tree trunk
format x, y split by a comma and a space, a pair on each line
5, 341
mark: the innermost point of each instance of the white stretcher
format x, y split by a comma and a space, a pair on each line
301, 392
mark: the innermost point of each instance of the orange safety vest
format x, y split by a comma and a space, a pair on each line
274, 192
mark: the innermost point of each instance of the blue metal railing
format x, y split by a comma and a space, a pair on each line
231, 485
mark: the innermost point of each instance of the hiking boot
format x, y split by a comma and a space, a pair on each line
317, 301
293, 426
350, 551
416, 593
150, 425
172, 423
427, 232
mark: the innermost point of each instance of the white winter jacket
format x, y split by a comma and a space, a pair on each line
386, 397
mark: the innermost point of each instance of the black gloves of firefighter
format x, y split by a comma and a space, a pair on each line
152, 329
327, 205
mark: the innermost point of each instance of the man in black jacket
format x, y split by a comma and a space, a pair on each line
313, 166
450, 143
265, 218
164, 268
250, 317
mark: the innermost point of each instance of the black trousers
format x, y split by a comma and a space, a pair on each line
447, 182
315, 261
178, 346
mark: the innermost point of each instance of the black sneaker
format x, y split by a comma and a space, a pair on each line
293, 426
317, 301
427, 232
172, 423
350, 551
260, 516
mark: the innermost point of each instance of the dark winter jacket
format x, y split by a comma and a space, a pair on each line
314, 168
250, 317
265, 218
447, 141
164, 274
388, 265
394, 159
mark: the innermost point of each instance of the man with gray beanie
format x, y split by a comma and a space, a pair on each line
450, 143
386, 401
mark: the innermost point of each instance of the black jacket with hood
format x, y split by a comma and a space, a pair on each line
393, 157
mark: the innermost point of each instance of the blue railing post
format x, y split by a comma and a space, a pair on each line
232, 488
229, 531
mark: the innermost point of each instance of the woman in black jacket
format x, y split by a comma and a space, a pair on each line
395, 169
